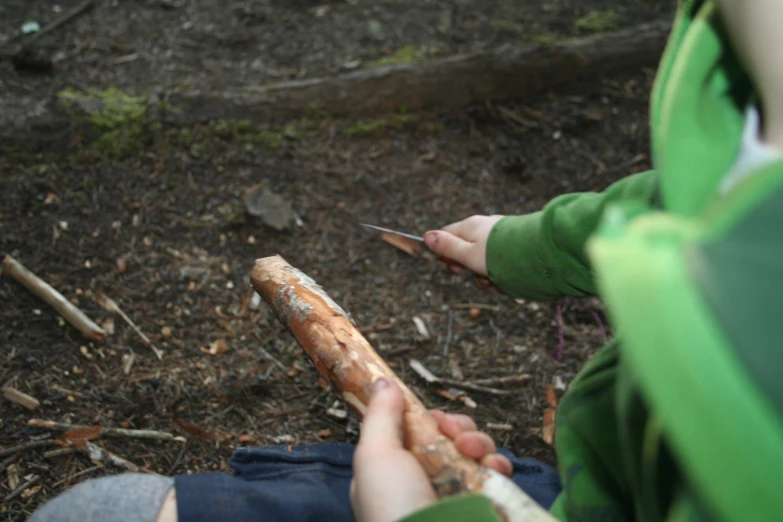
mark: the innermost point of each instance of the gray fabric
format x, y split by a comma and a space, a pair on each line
130, 497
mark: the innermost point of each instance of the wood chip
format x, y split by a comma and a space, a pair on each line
421, 327
22, 399
407, 245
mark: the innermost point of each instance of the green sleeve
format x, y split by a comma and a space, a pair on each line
541, 256
468, 507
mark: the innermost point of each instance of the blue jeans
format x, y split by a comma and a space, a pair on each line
305, 483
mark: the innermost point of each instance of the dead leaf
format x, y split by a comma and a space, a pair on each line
325, 433
196, 431
218, 347
246, 438
50, 197
80, 436
122, 263
294, 371
407, 245
27, 493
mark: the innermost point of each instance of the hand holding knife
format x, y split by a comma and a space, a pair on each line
481, 282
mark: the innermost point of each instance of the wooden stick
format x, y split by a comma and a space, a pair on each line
18, 491
345, 358
431, 378
26, 446
110, 306
100, 455
55, 299
22, 399
110, 432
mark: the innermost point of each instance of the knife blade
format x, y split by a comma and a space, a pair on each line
409, 236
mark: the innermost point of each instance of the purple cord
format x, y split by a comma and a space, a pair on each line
561, 340
600, 325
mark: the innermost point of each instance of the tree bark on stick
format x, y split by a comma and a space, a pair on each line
506, 73
344, 357
55, 299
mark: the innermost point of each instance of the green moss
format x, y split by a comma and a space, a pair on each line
120, 119
407, 54
598, 21
399, 122
546, 39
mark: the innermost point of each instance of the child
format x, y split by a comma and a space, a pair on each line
680, 423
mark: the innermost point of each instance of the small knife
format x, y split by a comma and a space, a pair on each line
409, 236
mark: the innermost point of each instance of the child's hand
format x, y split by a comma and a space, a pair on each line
472, 443
389, 483
466, 243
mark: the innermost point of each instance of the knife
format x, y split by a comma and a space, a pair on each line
409, 236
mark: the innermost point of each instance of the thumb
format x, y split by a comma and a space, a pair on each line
383, 421
448, 245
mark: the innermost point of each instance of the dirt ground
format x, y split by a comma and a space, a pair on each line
164, 231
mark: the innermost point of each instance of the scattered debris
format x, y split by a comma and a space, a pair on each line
377, 328
325, 433
559, 383
30, 27
453, 394
100, 455
79, 436
548, 431
337, 411
421, 327
474, 312
166, 332
109, 432
218, 347
58, 453
13, 476
449, 327
271, 208
21, 488
498, 427
55, 299
196, 431
477, 306
110, 306
13, 450
20, 398
284, 439
431, 378
127, 362
246, 438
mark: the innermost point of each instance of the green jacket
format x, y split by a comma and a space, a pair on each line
683, 421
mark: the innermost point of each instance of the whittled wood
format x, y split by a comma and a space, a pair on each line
343, 356
55, 299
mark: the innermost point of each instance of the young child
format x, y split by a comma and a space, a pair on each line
679, 420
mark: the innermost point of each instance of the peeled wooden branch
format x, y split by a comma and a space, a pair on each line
55, 299
345, 358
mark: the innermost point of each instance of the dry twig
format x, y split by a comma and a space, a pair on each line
110, 306
55, 299
18, 491
431, 378
111, 432
26, 446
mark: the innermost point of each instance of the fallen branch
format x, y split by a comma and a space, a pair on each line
26, 446
431, 378
58, 452
344, 357
511, 379
110, 306
111, 432
510, 72
55, 299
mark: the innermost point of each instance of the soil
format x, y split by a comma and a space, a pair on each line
163, 230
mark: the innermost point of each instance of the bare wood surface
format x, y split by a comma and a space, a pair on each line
55, 299
510, 72
344, 357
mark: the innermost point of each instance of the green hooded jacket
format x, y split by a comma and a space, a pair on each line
682, 422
